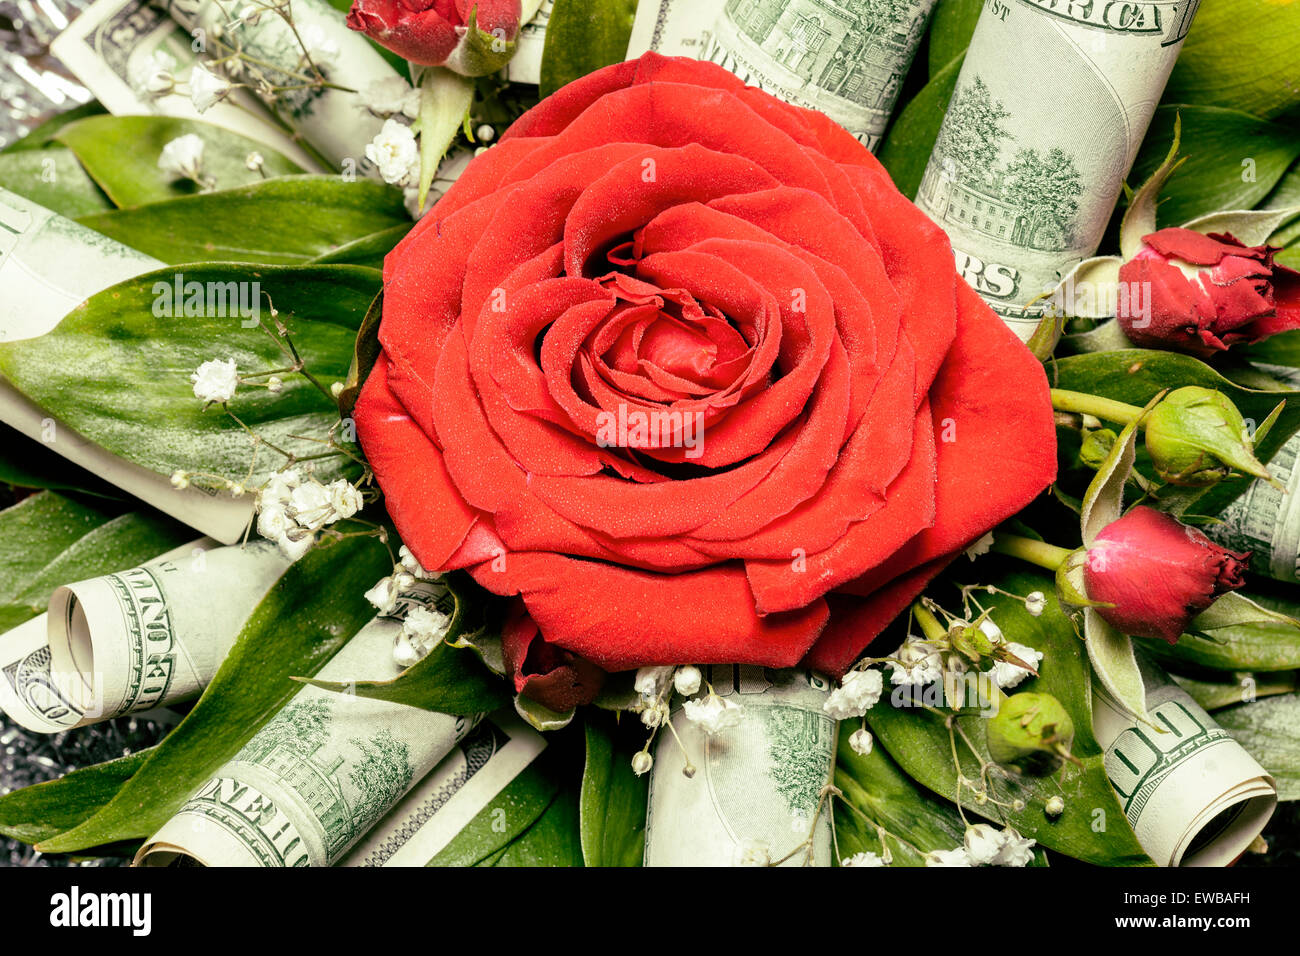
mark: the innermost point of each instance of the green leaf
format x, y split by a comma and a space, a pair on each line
279, 221
315, 607
445, 99
54, 179
1240, 54
951, 28
1236, 634
1140, 217
365, 352
919, 741
582, 36
45, 810
43, 135
1251, 226
121, 154
30, 464
552, 840
1267, 729
1229, 688
613, 800
1114, 664
448, 679
120, 375
1233, 159
366, 251
906, 150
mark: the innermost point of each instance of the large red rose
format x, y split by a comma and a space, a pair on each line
658, 239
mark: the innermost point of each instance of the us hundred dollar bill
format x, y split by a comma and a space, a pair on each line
846, 58
334, 121
156, 634
48, 266
526, 65
1051, 105
755, 793
1192, 794
319, 775
115, 46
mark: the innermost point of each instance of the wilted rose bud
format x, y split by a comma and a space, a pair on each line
1031, 732
1196, 437
1157, 574
472, 37
1200, 294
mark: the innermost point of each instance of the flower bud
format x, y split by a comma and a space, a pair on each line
1031, 732
1095, 447
1152, 574
1200, 294
438, 34
1196, 437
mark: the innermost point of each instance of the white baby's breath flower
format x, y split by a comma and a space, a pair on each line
983, 842
311, 505
956, 857
650, 680
273, 522
1055, 806
641, 763
206, 88
858, 693
253, 162
275, 385
980, 546
425, 626
687, 679
1006, 674
918, 664
713, 714
413, 567
861, 741
183, 156
320, 43
159, 83
383, 595
753, 853
294, 543
405, 653
1035, 603
395, 153
180, 480
865, 858
215, 380
391, 95
345, 499
485, 134
654, 714
1016, 850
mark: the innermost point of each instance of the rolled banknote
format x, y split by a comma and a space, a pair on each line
453, 793
30, 695
1190, 791
319, 775
846, 58
757, 787
526, 65
1035, 146
116, 46
156, 634
334, 121
48, 266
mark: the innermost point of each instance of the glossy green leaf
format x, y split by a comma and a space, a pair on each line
1267, 729
279, 221
45, 810
1230, 688
1236, 634
368, 250
1240, 54
581, 37
365, 352
445, 99
315, 607
951, 26
121, 154
552, 840
54, 179
1114, 664
43, 135
919, 741
120, 375
613, 798
448, 679
1233, 159
906, 150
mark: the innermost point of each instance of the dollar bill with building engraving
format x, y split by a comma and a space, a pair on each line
1193, 795
846, 58
757, 788
1035, 146
320, 774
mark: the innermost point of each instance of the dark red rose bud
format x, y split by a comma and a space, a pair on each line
550, 675
472, 37
1158, 573
1200, 294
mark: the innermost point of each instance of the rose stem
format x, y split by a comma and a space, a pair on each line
930, 626
1037, 552
1105, 408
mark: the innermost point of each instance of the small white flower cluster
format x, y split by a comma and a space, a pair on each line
292, 507
865, 858
391, 96
986, 845
207, 88
216, 379
1006, 674
654, 686
858, 692
422, 627
395, 153
919, 662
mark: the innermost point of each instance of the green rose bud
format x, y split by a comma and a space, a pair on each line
1197, 437
1030, 732
1096, 446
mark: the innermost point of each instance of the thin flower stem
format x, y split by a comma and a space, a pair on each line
1037, 552
1104, 408
930, 626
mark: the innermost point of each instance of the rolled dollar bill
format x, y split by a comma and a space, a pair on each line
319, 775
757, 789
1265, 520
1035, 146
334, 121
156, 634
30, 695
1190, 791
846, 58
48, 266
526, 65
450, 796
115, 47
